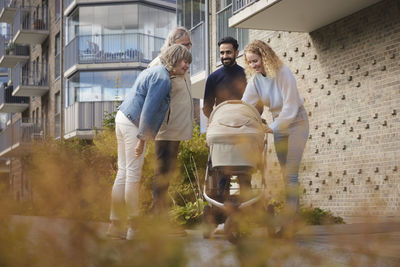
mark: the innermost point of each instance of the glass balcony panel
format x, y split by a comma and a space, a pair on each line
82, 118
17, 136
112, 48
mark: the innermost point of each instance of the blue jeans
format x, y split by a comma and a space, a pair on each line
289, 146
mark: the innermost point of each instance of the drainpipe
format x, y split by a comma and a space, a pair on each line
62, 70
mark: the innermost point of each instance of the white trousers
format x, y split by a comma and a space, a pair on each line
125, 191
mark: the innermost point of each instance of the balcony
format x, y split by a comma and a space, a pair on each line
31, 25
70, 5
30, 79
82, 119
292, 15
198, 66
112, 51
11, 54
18, 137
10, 103
8, 10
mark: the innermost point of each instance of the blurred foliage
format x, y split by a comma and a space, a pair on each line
190, 214
317, 216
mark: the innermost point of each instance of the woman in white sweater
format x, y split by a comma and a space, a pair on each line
272, 84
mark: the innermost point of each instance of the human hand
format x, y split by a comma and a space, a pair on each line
139, 148
266, 128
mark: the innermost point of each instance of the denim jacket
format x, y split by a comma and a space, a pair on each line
148, 101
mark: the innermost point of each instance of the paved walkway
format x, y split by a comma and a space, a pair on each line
361, 244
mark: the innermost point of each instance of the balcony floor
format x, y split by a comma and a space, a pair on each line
9, 61
13, 107
31, 37
295, 15
30, 90
7, 14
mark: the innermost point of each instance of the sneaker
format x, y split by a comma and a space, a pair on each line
116, 231
131, 234
219, 230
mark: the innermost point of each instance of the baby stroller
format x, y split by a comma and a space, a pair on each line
238, 145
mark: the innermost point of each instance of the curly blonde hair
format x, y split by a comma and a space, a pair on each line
172, 55
272, 63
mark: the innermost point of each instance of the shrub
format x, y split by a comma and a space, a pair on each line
318, 216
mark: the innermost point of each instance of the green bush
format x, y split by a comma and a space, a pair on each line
318, 216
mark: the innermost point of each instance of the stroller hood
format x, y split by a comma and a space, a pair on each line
235, 134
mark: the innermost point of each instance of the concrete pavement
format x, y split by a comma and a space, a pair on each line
359, 244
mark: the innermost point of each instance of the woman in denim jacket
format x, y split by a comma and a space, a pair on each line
139, 118
273, 85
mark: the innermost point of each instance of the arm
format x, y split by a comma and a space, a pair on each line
158, 90
252, 97
209, 97
290, 96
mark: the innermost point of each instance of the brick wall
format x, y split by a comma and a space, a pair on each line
349, 74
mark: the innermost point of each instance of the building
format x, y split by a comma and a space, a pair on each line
68, 63
345, 56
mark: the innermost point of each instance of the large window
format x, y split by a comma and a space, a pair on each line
119, 19
190, 12
57, 52
99, 86
224, 12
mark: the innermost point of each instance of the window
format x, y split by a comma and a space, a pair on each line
57, 52
190, 12
57, 115
98, 86
224, 12
58, 9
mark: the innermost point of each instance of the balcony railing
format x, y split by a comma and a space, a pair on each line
31, 25
112, 48
238, 5
11, 54
81, 118
198, 52
7, 10
30, 79
10, 103
17, 135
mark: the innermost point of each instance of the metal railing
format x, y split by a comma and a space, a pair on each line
9, 48
112, 48
30, 74
198, 50
7, 97
238, 5
86, 116
31, 18
19, 132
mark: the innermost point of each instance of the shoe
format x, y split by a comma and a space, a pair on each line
116, 231
131, 234
220, 229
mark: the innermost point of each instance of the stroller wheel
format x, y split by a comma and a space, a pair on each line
231, 230
208, 222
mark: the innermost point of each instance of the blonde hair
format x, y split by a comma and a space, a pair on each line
172, 55
271, 62
175, 35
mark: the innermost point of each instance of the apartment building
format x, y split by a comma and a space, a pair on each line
69, 62
345, 57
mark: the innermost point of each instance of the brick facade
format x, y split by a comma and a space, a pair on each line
349, 75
